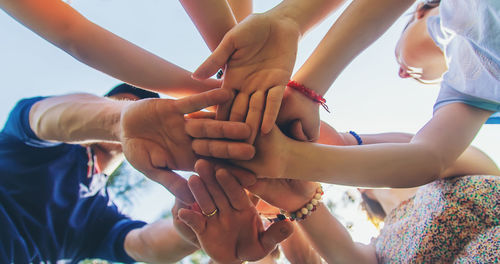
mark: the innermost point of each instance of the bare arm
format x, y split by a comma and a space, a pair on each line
241, 8
157, 243
298, 249
429, 154
332, 241
212, 18
60, 24
358, 26
472, 160
363, 22
76, 118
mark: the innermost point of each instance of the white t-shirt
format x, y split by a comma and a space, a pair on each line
468, 32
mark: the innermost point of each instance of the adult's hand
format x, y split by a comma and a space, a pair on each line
259, 55
155, 142
234, 233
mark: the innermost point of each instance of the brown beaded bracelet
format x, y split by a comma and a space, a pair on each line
303, 212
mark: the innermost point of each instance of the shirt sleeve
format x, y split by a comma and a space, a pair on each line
18, 124
112, 247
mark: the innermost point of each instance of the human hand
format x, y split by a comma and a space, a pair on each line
299, 116
286, 194
259, 55
235, 232
271, 158
155, 141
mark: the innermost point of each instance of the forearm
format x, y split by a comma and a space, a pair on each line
376, 165
212, 18
360, 24
434, 152
77, 118
305, 13
472, 160
332, 241
391, 137
63, 26
241, 8
158, 242
298, 249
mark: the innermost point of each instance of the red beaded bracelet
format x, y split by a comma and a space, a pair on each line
309, 93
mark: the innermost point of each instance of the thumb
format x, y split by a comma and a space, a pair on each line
193, 219
203, 100
276, 233
216, 60
297, 131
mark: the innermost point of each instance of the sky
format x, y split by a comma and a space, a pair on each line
368, 97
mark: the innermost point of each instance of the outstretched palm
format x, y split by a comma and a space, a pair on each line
259, 55
154, 139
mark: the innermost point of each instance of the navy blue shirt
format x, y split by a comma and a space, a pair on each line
50, 209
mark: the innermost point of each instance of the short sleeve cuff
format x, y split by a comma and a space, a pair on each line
115, 241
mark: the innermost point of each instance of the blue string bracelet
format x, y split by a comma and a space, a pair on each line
357, 137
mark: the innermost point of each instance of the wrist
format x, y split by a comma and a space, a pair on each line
308, 93
289, 16
306, 209
115, 119
133, 244
351, 138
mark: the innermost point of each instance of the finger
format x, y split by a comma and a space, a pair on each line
206, 171
223, 149
174, 183
276, 233
244, 177
216, 60
239, 107
254, 116
196, 221
201, 195
199, 101
273, 103
204, 128
201, 115
297, 132
234, 192
212, 83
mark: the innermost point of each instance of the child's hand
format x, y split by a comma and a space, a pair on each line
259, 55
299, 116
229, 228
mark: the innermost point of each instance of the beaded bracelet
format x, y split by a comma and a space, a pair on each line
357, 137
309, 93
303, 212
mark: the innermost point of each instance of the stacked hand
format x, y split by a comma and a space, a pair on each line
258, 54
155, 141
228, 226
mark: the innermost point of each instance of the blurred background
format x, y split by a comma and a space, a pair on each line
368, 97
